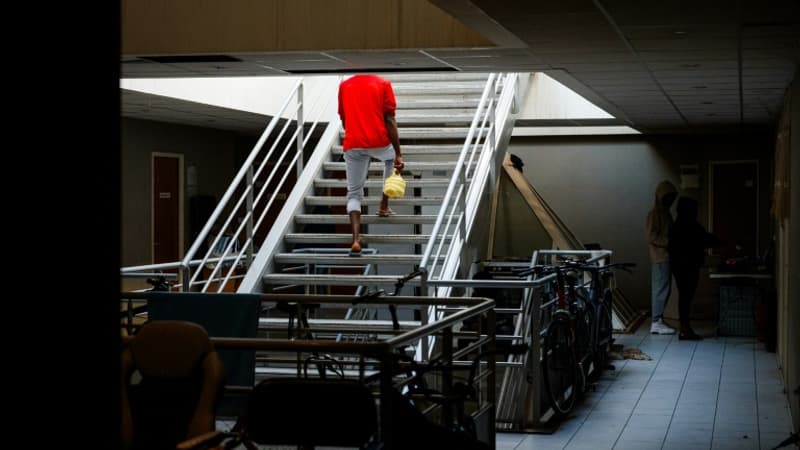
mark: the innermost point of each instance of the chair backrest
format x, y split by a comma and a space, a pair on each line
181, 381
311, 412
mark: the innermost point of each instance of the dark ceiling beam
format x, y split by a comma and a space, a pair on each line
638, 57
472, 16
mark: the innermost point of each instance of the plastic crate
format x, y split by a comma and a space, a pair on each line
737, 306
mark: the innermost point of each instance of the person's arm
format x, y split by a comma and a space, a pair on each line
710, 240
394, 138
655, 236
341, 106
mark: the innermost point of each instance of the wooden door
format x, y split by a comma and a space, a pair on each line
166, 209
734, 207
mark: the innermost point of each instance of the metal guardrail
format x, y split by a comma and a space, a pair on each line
380, 354
475, 165
230, 230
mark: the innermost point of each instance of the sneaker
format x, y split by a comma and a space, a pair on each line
659, 327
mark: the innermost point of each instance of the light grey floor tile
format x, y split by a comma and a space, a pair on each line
512, 439
539, 442
727, 430
721, 392
629, 444
734, 444
676, 445
644, 433
772, 439
649, 420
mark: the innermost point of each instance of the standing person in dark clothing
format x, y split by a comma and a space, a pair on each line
687, 241
367, 110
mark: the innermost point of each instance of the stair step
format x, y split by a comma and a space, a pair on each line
321, 258
418, 149
334, 325
378, 183
313, 238
412, 166
410, 102
371, 201
335, 280
432, 76
406, 112
440, 89
341, 219
434, 118
406, 133
312, 372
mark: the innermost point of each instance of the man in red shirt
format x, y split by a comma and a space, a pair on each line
367, 107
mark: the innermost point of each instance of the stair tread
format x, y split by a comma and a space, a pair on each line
413, 149
321, 258
432, 76
313, 321
378, 183
409, 102
410, 166
367, 219
371, 201
335, 280
343, 238
412, 132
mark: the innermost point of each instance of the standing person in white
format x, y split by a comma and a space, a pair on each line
659, 221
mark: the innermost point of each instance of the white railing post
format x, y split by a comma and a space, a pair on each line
249, 206
300, 130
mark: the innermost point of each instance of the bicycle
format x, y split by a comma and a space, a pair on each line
599, 297
580, 332
562, 366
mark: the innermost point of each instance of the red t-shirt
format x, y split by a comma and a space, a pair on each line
364, 100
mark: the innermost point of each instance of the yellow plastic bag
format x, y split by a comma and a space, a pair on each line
395, 185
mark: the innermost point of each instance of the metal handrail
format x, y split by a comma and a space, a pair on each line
185, 266
455, 179
481, 143
249, 198
301, 140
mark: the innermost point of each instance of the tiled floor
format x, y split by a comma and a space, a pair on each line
719, 393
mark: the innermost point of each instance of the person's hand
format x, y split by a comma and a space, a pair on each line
398, 163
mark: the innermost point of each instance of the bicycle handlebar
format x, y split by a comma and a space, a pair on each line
570, 264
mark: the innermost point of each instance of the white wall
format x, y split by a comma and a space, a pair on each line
546, 98
261, 95
211, 152
602, 188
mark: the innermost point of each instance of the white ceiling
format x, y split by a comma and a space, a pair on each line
139, 105
670, 66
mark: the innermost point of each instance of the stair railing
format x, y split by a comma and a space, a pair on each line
474, 167
467, 184
236, 240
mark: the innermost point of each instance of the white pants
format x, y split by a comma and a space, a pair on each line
357, 166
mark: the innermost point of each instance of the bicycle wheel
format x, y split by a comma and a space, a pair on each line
605, 329
559, 366
583, 311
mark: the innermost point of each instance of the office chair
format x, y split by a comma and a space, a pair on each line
300, 412
181, 378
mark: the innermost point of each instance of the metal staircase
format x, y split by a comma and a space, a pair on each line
453, 130
434, 114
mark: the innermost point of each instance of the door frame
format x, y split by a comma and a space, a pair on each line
181, 187
711, 165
